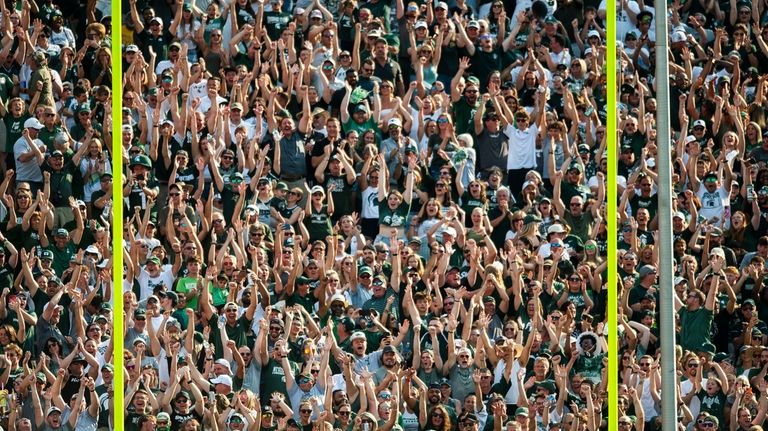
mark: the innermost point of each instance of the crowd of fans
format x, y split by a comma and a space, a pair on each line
364, 216
56, 329
718, 63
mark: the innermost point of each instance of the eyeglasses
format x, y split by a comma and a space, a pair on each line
344, 413
367, 70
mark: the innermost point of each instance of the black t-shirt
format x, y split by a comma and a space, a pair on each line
178, 419
61, 182
158, 43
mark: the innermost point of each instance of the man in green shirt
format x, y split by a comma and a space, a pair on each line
51, 128
696, 317
63, 247
581, 222
236, 328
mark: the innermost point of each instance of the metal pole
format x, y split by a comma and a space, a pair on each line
666, 275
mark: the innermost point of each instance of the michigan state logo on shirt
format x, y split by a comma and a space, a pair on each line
710, 200
394, 220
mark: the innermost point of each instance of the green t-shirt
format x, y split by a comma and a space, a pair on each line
580, 226
13, 128
218, 295
390, 217
696, 329
183, 286
47, 136
464, 113
590, 367
273, 379
61, 258
352, 126
236, 333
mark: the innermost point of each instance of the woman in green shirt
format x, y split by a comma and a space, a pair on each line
318, 219
394, 206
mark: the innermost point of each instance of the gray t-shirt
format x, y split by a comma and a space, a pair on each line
29, 170
85, 422
44, 330
64, 427
293, 155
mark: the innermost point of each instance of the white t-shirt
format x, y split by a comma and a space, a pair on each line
623, 23
522, 147
512, 394
147, 283
695, 404
716, 204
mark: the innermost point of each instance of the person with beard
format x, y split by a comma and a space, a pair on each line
430, 399
464, 98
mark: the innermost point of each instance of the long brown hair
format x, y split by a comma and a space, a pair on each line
446, 426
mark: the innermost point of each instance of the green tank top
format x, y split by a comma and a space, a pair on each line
319, 224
